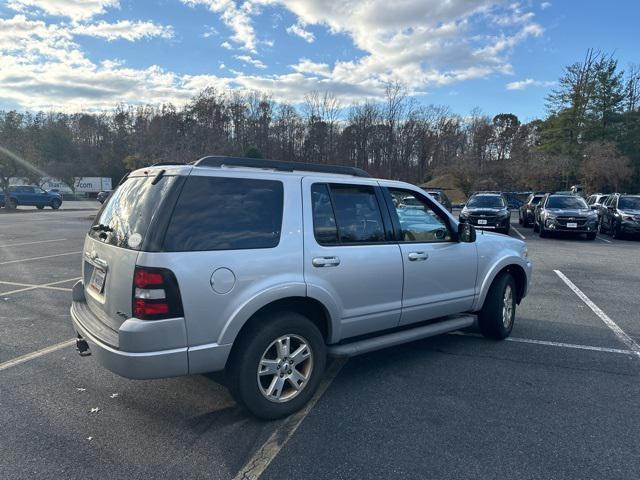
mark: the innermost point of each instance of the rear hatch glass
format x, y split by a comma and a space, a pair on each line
125, 217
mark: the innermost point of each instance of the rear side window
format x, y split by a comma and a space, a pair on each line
222, 213
129, 211
353, 210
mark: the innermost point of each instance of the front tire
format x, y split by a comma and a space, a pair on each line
55, 204
499, 310
277, 364
591, 236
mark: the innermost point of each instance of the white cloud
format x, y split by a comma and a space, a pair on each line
299, 30
252, 61
226, 45
529, 82
124, 29
545, 5
74, 9
306, 66
237, 18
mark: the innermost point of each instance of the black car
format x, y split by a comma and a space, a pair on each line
102, 196
441, 197
487, 210
526, 213
620, 215
561, 212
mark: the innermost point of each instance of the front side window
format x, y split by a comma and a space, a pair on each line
418, 221
218, 213
346, 214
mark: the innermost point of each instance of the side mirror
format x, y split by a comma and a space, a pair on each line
466, 233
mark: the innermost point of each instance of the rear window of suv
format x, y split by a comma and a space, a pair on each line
129, 211
223, 213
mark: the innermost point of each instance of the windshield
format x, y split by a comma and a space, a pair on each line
567, 202
486, 201
629, 203
128, 212
536, 200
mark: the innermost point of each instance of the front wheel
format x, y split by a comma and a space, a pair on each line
591, 236
56, 204
499, 310
277, 364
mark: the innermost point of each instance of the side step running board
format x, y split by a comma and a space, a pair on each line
397, 338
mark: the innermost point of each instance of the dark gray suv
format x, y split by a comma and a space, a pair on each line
568, 213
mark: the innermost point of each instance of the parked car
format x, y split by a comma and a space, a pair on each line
30, 196
620, 215
263, 268
441, 197
513, 202
526, 213
102, 196
596, 202
487, 210
560, 212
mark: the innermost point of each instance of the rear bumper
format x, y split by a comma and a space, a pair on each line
146, 362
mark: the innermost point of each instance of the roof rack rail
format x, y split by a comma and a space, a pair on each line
221, 161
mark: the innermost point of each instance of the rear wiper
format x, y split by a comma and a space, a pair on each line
101, 227
158, 177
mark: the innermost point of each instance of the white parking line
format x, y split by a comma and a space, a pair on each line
621, 334
553, 344
603, 239
39, 258
254, 468
28, 286
36, 354
518, 232
32, 243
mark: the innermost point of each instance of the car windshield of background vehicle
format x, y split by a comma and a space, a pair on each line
629, 203
486, 201
566, 202
536, 200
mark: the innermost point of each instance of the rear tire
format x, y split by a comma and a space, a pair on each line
271, 394
499, 310
39, 207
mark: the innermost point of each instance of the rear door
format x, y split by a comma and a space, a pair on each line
350, 255
114, 241
439, 272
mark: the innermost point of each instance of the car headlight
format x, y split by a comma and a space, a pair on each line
551, 216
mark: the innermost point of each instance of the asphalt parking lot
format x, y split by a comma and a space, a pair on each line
559, 400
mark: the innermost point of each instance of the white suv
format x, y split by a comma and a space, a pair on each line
263, 268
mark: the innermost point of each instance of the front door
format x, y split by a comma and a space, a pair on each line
439, 272
349, 254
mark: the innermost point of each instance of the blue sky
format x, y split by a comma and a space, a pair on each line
492, 55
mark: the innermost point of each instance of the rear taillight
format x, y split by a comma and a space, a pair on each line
155, 294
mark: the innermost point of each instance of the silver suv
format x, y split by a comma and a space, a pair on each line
263, 269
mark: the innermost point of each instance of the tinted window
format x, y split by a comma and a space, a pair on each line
129, 211
215, 213
357, 214
629, 203
566, 202
536, 200
324, 222
486, 201
418, 222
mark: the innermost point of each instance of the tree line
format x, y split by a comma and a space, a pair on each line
591, 135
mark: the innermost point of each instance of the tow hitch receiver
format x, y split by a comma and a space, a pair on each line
82, 346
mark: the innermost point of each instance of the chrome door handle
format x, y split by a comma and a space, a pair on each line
417, 256
326, 262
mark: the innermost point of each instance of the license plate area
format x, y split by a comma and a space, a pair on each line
98, 277
482, 222
572, 225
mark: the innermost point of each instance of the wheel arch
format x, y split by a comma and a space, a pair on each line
512, 266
